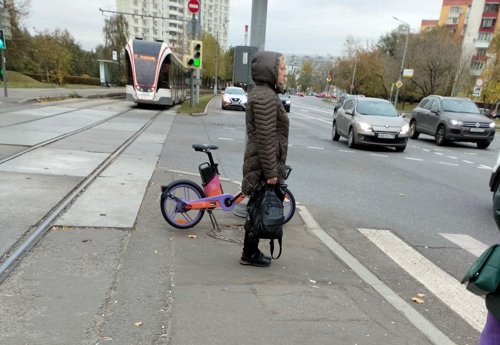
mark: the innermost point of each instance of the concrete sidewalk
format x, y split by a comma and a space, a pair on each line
306, 296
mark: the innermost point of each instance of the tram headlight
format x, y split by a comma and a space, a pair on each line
138, 88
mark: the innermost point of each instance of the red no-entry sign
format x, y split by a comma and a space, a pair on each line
193, 6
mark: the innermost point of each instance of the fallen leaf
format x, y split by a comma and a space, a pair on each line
417, 300
87, 240
156, 252
65, 227
138, 323
421, 294
193, 236
312, 281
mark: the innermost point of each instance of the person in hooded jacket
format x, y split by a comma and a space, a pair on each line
491, 331
267, 128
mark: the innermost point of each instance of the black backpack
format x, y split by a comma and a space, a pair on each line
265, 210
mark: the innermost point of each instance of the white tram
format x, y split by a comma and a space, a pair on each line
154, 74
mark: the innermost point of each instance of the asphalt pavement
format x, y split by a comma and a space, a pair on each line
153, 284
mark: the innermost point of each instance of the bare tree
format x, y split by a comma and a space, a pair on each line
433, 56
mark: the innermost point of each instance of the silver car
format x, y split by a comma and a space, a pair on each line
234, 98
370, 121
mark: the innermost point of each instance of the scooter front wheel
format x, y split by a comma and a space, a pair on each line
184, 190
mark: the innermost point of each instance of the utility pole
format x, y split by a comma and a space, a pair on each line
216, 63
3, 54
403, 61
257, 39
198, 70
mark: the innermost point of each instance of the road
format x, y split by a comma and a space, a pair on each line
416, 219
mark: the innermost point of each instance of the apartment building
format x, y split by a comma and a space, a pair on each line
475, 22
167, 20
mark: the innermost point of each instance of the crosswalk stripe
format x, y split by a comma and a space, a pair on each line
469, 306
466, 242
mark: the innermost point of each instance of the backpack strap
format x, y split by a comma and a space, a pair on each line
271, 244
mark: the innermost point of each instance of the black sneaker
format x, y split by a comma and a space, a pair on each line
267, 257
257, 260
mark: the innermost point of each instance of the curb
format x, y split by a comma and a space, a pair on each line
205, 112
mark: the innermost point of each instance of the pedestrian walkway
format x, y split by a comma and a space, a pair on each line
306, 296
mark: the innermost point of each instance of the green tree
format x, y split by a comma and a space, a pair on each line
491, 74
115, 33
17, 54
306, 78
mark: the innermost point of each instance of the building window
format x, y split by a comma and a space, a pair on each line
155, 6
136, 11
481, 52
488, 22
491, 7
485, 37
477, 65
136, 30
135, 3
136, 21
452, 21
455, 9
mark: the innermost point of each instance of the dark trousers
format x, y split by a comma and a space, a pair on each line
250, 243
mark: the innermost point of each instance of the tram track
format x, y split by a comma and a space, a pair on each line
31, 237
41, 118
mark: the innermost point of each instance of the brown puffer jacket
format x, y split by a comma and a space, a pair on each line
267, 124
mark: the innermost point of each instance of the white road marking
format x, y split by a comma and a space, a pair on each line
377, 155
427, 150
438, 153
225, 138
323, 111
452, 157
315, 147
463, 160
466, 242
469, 306
414, 317
446, 163
348, 151
470, 153
314, 118
484, 167
414, 159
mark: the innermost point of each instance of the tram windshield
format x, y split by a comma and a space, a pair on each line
145, 61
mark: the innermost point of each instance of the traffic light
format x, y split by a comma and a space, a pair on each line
194, 59
196, 53
2, 40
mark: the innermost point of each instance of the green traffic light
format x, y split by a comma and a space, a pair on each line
196, 62
2, 46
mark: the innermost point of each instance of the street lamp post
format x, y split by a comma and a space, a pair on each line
402, 62
353, 74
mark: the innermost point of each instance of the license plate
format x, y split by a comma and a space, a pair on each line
386, 136
477, 130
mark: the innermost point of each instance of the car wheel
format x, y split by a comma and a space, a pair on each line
351, 142
441, 136
288, 109
400, 148
335, 134
413, 130
483, 144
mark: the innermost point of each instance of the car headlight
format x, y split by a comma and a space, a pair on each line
365, 126
225, 98
405, 129
492, 124
456, 123
287, 102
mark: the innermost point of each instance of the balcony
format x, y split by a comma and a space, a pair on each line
178, 30
175, 4
482, 44
479, 58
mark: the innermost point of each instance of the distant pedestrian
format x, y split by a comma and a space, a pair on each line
491, 331
267, 128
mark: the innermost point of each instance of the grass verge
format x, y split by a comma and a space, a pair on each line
198, 108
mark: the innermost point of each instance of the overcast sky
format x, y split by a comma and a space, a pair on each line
293, 26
